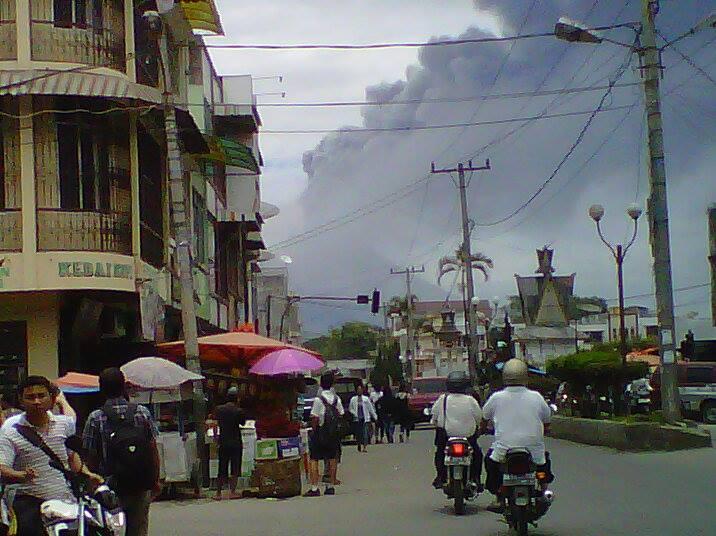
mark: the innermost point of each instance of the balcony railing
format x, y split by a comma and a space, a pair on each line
63, 230
8, 40
98, 47
11, 230
152, 245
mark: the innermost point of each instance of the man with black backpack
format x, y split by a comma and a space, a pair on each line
120, 439
324, 439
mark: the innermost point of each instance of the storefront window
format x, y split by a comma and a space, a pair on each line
13, 353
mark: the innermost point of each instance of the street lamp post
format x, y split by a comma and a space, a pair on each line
619, 251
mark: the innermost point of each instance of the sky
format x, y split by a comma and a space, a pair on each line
366, 200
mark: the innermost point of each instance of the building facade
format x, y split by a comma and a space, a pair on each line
88, 274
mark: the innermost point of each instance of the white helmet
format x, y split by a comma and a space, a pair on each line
515, 372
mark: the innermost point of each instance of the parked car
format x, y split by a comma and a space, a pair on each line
425, 392
697, 389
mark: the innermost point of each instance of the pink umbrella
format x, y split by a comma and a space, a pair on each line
286, 361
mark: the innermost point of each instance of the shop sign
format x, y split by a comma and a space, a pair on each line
95, 269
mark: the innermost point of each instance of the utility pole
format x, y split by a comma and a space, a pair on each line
182, 235
658, 212
409, 350
466, 257
268, 315
712, 259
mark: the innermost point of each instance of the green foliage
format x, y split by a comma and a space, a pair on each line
387, 364
351, 340
631, 344
599, 368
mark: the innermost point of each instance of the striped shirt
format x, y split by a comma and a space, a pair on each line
18, 453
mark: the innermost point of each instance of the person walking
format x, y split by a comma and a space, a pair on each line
403, 417
28, 445
325, 436
387, 404
363, 413
379, 430
230, 418
121, 440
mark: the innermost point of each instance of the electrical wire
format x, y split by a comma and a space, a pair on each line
408, 128
650, 294
106, 111
693, 64
374, 46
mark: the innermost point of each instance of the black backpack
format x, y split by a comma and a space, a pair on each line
333, 429
128, 459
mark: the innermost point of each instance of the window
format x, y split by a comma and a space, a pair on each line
151, 207
69, 13
13, 353
199, 205
83, 166
699, 375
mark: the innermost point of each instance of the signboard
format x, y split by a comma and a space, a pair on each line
94, 269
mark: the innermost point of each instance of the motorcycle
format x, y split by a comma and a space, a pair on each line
459, 487
95, 513
525, 491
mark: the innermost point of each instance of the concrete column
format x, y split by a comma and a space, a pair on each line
134, 178
27, 187
24, 49
43, 329
129, 46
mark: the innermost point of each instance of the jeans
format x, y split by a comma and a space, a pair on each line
493, 478
230, 455
136, 509
441, 440
27, 513
389, 427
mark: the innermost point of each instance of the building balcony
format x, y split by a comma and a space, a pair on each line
11, 230
64, 230
97, 47
8, 40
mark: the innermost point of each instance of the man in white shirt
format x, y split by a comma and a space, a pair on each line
521, 418
322, 444
456, 414
363, 412
377, 429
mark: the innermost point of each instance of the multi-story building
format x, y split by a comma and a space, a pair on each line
273, 306
88, 276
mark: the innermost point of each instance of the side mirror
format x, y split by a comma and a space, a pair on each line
427, 412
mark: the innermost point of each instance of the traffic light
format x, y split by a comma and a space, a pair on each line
375, 303
362, 299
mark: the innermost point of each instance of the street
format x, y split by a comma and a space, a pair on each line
387, 491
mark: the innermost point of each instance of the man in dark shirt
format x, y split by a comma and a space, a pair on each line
230, 418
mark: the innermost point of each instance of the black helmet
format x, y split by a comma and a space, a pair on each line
458, 382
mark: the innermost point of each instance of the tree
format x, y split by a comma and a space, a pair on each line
387, 364
353, 340
480, 262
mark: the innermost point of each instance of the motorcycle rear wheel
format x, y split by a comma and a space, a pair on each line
459, 495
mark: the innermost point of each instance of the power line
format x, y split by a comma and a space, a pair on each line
651, 294
420, 44
440, 100
566, 157
693, 64
447, 126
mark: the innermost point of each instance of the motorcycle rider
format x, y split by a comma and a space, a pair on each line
521, 419
456, 414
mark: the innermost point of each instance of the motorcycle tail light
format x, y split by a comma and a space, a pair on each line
457, 449
541, 475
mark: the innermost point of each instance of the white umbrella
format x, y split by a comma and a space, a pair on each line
157, 373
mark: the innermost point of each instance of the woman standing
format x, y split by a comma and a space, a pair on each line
363, 413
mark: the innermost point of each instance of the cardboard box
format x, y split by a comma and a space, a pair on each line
266, 449
277, 478
289, 447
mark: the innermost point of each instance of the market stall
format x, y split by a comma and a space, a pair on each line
166, 389
268, 374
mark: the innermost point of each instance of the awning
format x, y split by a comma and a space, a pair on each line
62, 82
267, 210
254, 241
249, 225
231, 153
189, 134
202, 15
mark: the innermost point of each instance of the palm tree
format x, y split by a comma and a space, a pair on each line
479, 260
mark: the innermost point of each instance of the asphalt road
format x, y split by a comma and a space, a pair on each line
387, 492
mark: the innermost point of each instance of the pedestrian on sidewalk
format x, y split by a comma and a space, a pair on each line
111, 433
379, 432
363, 413
325, 436
230, 419
403, 417
387, 404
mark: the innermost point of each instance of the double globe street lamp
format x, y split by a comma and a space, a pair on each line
619, 251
